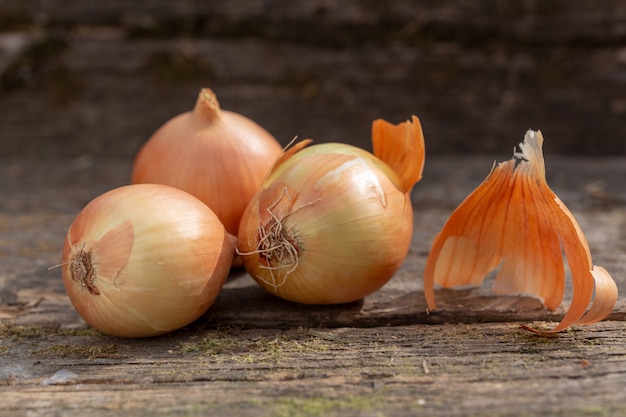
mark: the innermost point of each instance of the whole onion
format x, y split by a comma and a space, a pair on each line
146, 259
332, 223
217, 155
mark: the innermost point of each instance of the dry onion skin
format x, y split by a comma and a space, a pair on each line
217, 155
332, 222
514, 221
144, 260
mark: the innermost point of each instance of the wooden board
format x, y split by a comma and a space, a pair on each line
100, 77
253, 354
84, 84
444, 370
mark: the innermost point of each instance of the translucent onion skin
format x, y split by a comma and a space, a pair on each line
331, 224
144, 260
514, 223
217, 155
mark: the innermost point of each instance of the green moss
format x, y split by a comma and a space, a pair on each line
9, 329
86, 332
209, 345
79, 351
322, 406
266, 349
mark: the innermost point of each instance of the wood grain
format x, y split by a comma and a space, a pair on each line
446, 370
84, 84
99, 78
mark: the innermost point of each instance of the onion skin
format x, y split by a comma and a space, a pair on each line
331, 224
144, 260
217, 155
514, 223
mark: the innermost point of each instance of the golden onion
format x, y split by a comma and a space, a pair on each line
217, 155
332, 223
145, 259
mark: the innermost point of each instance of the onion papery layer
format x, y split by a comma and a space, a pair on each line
515, 221
332, 238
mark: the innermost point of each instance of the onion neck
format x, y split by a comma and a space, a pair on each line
207, 108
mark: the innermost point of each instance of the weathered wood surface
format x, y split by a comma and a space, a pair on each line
447, 370
84, 84
82, 77
253, 354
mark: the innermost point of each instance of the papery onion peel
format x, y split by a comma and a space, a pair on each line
514, 221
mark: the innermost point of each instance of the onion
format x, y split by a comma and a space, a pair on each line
146, 259
332, 223
217, 155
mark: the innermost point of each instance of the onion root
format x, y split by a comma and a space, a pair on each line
277, 246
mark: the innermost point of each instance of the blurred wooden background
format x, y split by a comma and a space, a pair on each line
83, 84
97, 78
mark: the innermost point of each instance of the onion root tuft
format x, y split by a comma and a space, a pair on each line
83, 272
277, 246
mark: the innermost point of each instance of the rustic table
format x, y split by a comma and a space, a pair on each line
84, 84
254, 355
